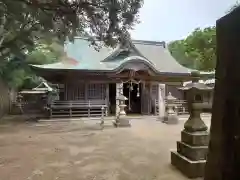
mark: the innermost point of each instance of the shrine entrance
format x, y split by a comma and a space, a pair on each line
133, 92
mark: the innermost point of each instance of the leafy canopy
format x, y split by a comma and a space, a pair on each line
22, 22
17, 72
198, 50
31, 31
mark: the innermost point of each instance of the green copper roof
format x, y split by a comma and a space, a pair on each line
85, 57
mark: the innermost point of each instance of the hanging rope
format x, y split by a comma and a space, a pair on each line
131, 81
130, 89
129, 97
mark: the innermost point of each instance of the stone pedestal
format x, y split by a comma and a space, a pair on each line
171, 119
122, 122
190, 157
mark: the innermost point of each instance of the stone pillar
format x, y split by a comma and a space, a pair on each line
190, 157
119, 91
161, 101
171, 115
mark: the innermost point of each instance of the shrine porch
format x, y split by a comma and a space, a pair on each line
88, 99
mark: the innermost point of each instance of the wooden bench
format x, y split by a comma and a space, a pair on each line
78, 108
181, 106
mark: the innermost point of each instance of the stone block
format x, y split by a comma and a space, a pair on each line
200, 138
193, 153
171, 119
191, 169
122, 122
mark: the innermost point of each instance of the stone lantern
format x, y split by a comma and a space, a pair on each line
190, 157
171, 115
121, 119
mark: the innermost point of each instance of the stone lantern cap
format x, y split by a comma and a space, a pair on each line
121, 98
170, 97
196, 85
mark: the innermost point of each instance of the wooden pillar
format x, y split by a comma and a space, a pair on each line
150, 98
142, 97
66, 91
86, 91
107, 98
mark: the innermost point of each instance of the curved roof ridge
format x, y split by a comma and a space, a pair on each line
135, 59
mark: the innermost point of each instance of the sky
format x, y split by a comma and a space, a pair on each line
168, 20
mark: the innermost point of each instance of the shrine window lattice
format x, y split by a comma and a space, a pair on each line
75, 92
96, 91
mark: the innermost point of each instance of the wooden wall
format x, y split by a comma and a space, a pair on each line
85, 91
100, 90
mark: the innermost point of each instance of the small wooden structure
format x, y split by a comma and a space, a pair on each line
33, 100
88, 79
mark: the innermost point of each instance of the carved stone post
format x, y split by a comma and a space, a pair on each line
119, 91
171, 115
161, 101
190, 157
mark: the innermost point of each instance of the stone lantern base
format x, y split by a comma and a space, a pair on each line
122, 122
190, 157
171, 119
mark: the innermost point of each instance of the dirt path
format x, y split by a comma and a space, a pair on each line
80, 151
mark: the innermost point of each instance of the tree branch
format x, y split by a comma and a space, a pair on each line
65, 7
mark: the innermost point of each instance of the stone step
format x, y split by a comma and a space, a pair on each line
191, 169
192, 152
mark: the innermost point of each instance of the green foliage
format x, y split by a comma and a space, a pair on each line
22, 22
29, 30
178, 51
197, 50
234, 6
45, 53
17, 73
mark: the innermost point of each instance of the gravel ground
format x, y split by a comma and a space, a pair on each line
81, 150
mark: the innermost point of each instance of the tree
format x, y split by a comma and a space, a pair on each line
17, 72
29, 29
233, 7
45, 52
25, 21
178, 50
197, 50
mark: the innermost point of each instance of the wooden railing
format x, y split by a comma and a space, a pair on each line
181, 106
78, 108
